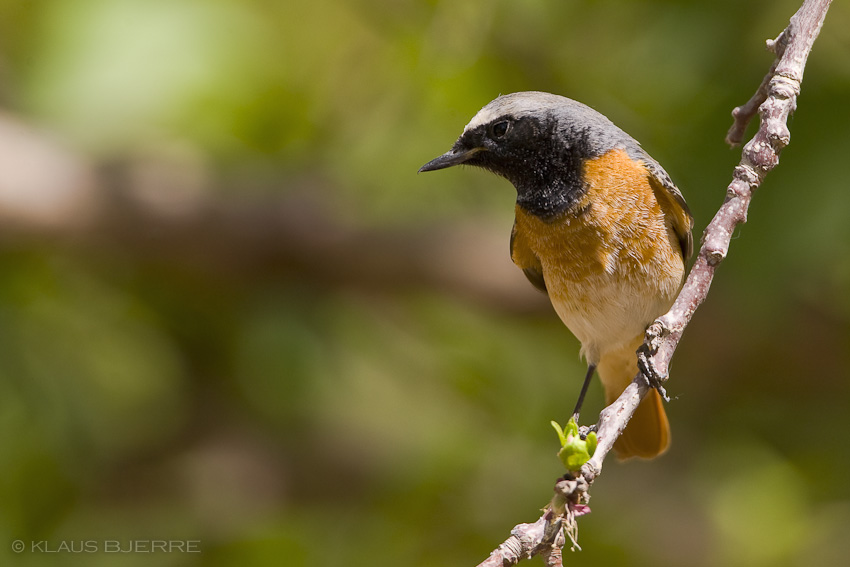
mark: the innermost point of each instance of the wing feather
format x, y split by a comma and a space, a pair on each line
674, 206
523, 257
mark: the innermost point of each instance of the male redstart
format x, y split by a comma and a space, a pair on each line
599, 227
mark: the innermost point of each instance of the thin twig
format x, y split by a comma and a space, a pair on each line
744, 114
775, 100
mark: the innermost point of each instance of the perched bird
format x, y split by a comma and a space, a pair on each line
599, 227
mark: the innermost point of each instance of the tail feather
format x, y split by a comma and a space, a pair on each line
648, 432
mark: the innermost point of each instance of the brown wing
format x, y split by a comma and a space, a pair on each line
674, 206
523, 257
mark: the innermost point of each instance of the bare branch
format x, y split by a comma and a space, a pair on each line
759, 156
745, 113
545, 537
775, 100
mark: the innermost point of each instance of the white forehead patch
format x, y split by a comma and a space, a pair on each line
514, 105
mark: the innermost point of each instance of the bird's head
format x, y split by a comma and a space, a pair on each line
538, 141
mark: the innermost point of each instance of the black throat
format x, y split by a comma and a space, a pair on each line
553, 197
544, 165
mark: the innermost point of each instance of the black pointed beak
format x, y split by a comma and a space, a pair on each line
449, 159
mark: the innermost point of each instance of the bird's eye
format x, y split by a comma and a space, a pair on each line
500, 129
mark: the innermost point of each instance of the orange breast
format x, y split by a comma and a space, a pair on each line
611, 263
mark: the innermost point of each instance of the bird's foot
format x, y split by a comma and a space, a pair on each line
647, 366
584, 430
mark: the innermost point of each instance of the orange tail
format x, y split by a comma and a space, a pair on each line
648, 432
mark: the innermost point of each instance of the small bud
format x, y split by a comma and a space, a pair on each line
575, 451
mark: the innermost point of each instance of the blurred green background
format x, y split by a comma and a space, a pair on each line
231, 312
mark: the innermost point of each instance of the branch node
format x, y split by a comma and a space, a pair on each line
734, 192
778, 134
590, 470
748, 175
512, 547
715, 255
777, 46
784, 85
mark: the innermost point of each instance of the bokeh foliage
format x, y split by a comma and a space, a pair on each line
281, 420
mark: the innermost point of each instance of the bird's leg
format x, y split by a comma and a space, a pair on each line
591, 368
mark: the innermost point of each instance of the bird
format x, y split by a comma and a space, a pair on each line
600, 228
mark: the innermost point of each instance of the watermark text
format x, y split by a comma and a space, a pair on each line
108, 546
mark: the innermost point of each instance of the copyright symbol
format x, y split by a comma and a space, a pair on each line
18, 546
